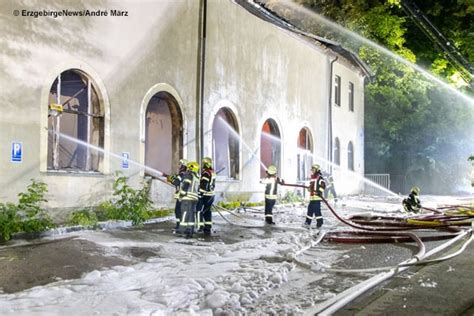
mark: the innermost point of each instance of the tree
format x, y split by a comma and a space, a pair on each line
413, 128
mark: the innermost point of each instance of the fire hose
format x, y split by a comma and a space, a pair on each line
332, 305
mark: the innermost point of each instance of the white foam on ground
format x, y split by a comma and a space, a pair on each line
194, 277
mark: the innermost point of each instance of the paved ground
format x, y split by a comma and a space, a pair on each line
445, 288
43, 262
25, 264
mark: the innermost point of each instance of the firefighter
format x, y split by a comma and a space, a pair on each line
271, 182
317, 185
175, 179
412, 203
330, 189
206, 196
188, 194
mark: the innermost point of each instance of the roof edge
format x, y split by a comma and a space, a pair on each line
269, 16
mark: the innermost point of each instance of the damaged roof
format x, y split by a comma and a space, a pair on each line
271, 17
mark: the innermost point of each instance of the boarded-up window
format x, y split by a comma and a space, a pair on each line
225, 144
350, 156
337, 90
351, 97
337, 152
163, 134
75, 135
270, 146
304, 155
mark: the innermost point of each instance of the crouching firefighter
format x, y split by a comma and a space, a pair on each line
188, 194
412, 203
206, 196
176, 179
271, 182
317, 185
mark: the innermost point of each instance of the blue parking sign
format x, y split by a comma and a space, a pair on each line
125, 158
17, 152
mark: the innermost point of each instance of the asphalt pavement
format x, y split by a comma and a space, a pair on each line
445, 288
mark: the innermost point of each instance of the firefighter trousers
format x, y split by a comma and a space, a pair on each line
177, 212
188, 214
314, 210
205, 213
269, 204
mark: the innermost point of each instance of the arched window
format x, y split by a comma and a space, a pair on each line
304, 155
225, 144
80, 123
270, 145
163, 134
350, 156
337, 152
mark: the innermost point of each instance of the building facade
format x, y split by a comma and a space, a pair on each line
143, 84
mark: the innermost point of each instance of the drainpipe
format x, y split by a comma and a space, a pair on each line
200, 80
331, 83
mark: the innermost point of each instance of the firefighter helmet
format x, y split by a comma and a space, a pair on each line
207, 162
415, 190
272, 170
183, 162
315, 167
193, 166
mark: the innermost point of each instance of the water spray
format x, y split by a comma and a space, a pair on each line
156, 172
235, 134
360, 177
341, 29
344, 170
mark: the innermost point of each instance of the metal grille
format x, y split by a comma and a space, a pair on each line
382, 179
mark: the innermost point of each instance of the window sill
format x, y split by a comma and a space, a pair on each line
226, 180
73, 173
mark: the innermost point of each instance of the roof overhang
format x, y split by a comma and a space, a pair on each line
271, 17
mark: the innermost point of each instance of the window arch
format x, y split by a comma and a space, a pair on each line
80, 122
350, 156
226, 144
304, 155
270, 145
337, 152
163, 133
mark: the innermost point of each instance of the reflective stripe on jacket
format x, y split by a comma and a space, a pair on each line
207, 182
189, 187
317, 185
271, 187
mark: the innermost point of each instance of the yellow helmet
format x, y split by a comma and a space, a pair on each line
183, 162
193, 166
415, 190
272, 170
315, 167
207, 162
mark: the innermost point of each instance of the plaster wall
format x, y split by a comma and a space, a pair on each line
348, 126
252, 67
126, 56
261, 71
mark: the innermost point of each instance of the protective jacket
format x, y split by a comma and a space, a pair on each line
207, 182
189, 187
317, 185
176, 179
412, 203
271, 186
